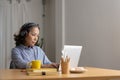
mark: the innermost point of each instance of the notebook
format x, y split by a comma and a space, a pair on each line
74, 52
42, 71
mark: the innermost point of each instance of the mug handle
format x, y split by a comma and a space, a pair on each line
29, 65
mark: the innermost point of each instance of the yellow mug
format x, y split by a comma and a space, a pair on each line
35, 64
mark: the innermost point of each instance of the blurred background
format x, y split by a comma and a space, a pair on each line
93, 24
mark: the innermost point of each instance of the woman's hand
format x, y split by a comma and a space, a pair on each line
52, 65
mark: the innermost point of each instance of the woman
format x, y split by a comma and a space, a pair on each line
26, 49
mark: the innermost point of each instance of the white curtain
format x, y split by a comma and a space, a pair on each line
13, 14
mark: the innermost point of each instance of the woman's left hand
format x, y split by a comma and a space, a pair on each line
52, 65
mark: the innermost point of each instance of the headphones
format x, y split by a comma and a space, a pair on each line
23, 33
26, 27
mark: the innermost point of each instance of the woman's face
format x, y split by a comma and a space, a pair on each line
32, 37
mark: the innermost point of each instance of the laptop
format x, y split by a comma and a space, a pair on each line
73, 52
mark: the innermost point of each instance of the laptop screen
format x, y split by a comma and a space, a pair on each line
74, 53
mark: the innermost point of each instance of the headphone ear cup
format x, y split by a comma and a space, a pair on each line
23, 33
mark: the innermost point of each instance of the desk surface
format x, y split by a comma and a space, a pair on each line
91, 74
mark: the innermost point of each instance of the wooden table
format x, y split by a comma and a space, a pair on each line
91, 74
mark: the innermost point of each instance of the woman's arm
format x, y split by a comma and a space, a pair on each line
17, 59
46, 62
52, 65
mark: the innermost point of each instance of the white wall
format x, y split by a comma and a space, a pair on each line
94, 24
49, 30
